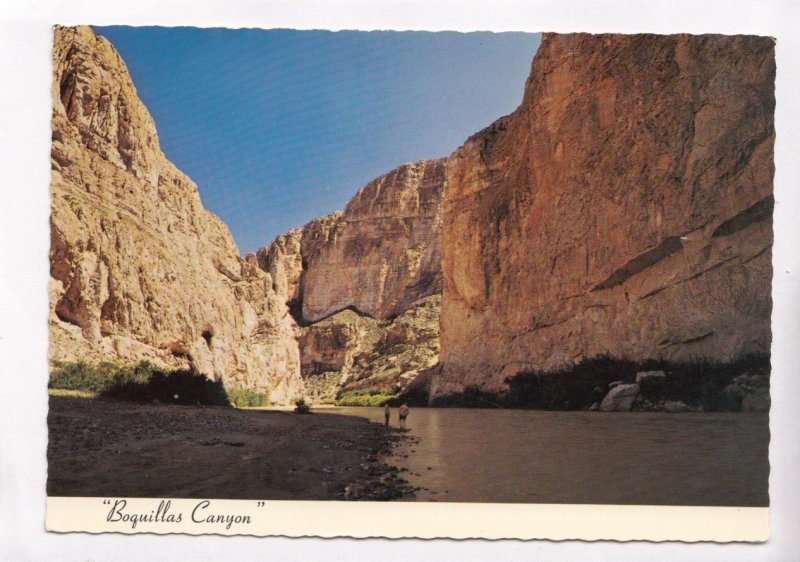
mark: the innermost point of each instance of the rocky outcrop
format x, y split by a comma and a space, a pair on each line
620, 398
749, 392
623, 209
349, 351
139, 269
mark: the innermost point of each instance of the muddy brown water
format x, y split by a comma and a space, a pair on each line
474, 455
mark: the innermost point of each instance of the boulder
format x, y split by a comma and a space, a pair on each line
620, 398
650, 376
758, 401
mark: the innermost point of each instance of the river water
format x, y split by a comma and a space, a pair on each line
476, 455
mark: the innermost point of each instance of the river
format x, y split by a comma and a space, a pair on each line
477, 455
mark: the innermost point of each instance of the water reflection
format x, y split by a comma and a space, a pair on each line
584, 457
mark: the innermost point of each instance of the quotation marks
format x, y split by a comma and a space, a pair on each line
106, 502
260, 504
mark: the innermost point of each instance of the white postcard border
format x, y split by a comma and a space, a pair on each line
395, 520
25, 40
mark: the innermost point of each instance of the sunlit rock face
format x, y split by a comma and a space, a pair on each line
383, 252
351, 352
624, 209
357, 279
139, 269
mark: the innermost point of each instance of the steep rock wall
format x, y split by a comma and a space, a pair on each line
383, 252
624, 208
139, 269
359, 280
290, 254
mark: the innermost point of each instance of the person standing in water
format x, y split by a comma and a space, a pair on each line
386, 413
403, 413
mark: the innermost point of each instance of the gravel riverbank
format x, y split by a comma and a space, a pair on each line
123, 449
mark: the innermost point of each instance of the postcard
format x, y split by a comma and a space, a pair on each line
410, 284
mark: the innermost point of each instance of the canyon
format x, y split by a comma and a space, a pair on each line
623, 210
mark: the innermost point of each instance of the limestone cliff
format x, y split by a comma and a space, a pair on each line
624, 209
383, 252
139, 269
359, 279
288, 257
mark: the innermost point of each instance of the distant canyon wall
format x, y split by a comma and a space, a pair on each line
364, 284
623, 209
378, 256
139, 269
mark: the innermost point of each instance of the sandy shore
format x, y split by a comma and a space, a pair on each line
111, 448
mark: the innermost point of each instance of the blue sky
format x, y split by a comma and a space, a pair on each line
277, 127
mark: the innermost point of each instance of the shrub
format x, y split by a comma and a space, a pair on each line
144, 384
83, 377
369, 397
301, 407
141, 382
693, 382
246, 398
472, 397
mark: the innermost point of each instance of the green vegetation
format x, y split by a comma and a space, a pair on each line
246, 398
472, 397
144, 382
84, 377
371, 397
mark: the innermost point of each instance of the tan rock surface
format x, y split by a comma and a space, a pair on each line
139, 269
285, 257
624, 208
349, 351
365, 283
383, 252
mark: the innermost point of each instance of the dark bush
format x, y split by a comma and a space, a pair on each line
572, 388
472, 397
145, 384
694, 382
301, 407
142, 382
